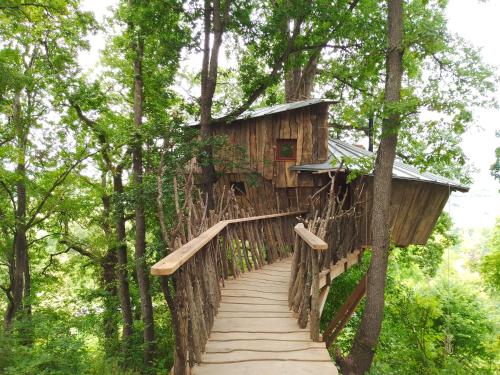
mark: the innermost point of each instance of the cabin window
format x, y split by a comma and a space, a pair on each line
239, 188
286, 149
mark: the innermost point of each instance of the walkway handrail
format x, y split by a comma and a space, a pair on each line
200, 267
172, 262
304, 279
310, 238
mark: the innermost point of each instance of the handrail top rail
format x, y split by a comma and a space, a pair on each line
310, 238
173, 261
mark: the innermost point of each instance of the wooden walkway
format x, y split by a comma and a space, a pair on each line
255, 332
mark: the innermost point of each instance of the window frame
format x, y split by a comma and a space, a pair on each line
239, 188
280, 143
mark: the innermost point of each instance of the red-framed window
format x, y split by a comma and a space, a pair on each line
286, 149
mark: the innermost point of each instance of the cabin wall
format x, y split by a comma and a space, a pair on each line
260, 197
415, 209
251, 145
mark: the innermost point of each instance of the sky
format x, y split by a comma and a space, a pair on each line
476, 21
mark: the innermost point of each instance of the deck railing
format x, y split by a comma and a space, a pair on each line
315, 264
199, 268
303, 294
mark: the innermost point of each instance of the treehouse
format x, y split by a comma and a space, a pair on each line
252, 276
277, 158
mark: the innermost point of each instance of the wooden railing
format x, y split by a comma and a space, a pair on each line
315, 264
303, 295
199, 268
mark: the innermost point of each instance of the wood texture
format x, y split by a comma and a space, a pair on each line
344, 313
251, 144
415, 208
311, 239
255, 332
172, 262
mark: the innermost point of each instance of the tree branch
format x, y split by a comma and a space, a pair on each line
10, 194
56, 183
23, 5
8, 293
70, 246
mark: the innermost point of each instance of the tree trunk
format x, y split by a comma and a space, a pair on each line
370, 133
299, 82
110, 326
21, 281
121, 253
108, 264
140, 219
363, 350
214, 19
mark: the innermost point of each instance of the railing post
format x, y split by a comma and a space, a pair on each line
308, 272
315, 317
182, 317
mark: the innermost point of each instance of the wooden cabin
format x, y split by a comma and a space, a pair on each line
276, 158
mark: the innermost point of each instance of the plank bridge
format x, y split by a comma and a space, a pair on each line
247, 297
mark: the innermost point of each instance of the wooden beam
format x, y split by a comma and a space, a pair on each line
344, 313
339, 268
311, 239
173, 261
323, 295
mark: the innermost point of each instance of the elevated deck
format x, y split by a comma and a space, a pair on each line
256, 333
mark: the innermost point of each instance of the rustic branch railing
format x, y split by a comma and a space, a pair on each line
200, 266
316, 263
303, 295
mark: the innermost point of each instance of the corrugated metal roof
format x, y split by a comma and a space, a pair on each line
340, 151
277, 109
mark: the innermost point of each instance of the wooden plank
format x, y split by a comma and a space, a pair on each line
268, 141
230, 292
300, 136
311, 239
255, 325
253, 301
260, 345
238, 307
255, 314
307, 140
300, 335
309, 354
339, 268
323, 295
345, 312
172, 262
254, 288
268, 368
259, 283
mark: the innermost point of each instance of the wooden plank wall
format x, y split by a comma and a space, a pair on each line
251, 144
415, 209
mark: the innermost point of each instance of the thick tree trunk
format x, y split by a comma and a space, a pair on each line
299, 82
108, 264
214, 19
122, 272
110, 324
140, 219
21, 280
363, 350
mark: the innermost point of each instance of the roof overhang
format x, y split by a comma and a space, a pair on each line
339, 151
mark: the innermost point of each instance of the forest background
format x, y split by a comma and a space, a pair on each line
447, 291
